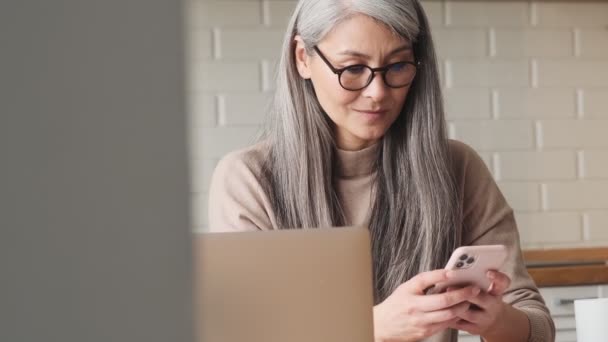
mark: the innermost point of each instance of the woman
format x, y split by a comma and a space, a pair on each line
357, 137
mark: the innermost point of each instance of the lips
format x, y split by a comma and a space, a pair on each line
370, 111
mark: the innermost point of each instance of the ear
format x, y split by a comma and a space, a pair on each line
302, 58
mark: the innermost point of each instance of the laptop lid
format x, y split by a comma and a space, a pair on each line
286, 285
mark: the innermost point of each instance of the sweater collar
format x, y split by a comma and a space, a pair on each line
357, 163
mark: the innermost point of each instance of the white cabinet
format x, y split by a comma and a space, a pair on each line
560, 301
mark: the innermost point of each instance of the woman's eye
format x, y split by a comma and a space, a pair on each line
355, 69
398, 66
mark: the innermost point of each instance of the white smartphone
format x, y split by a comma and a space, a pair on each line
470, 265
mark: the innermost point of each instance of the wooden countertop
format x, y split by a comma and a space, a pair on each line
567, 267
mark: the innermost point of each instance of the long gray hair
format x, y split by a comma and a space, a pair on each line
415, 215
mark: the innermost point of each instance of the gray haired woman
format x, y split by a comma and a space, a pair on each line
357, 136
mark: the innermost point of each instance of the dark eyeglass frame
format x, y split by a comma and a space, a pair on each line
382, 70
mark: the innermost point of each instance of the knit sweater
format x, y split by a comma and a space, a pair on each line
237, 201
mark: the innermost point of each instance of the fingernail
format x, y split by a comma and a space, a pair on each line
476, 291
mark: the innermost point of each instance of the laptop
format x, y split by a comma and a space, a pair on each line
297, 285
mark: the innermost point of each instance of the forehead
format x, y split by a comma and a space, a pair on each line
363, 33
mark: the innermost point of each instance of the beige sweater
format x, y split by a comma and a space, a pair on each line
238, 202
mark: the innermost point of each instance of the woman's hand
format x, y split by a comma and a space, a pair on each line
410, 315
490, 317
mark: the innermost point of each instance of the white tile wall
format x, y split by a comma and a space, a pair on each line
537, 165
594, 43
550, 227
526, 84
552, 103
595, 103
571, 13
487, 14
594, 164
485, 135
534, 42
572, 72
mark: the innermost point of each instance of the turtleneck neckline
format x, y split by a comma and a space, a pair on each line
357, 163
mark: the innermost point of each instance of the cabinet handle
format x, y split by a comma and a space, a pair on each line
568, 301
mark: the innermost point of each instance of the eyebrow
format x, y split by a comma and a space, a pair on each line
362, 55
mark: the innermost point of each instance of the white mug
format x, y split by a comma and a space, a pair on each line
591, 319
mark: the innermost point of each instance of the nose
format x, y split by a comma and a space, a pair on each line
377, 89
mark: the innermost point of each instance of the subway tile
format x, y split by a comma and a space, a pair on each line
489, 135
597, 225
434, 12
594, 42
280, 12
250, 44
595, 164
214, 143
534, 43
225, 76
489, 73
572, 14
201, 171
549, 227
595, 103
486, 14
456, 42
467, 103
572, 72
199, 210
521, 196
246, 108
516, 103
199, 44
269, 73
578, 195
221, 13
573, 133
533, 165
201, 110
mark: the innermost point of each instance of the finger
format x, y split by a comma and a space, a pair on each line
447, 299
463, 325
501, 282
473, 316
420, 282
445, 315
483, 300
437, 327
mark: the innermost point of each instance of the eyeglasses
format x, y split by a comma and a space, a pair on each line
358, 76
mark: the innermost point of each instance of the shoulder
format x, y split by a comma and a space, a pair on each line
246, 163
466, 162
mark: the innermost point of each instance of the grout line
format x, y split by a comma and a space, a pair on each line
264, 81
492, 42
220, 103
217, 46
586, 227
538, 132
533, 14
580, 103
576, 37
447, 13
580, 164
496, 166
534, 72
543, 197
451, 130
265, 12
495, 102
447, 67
